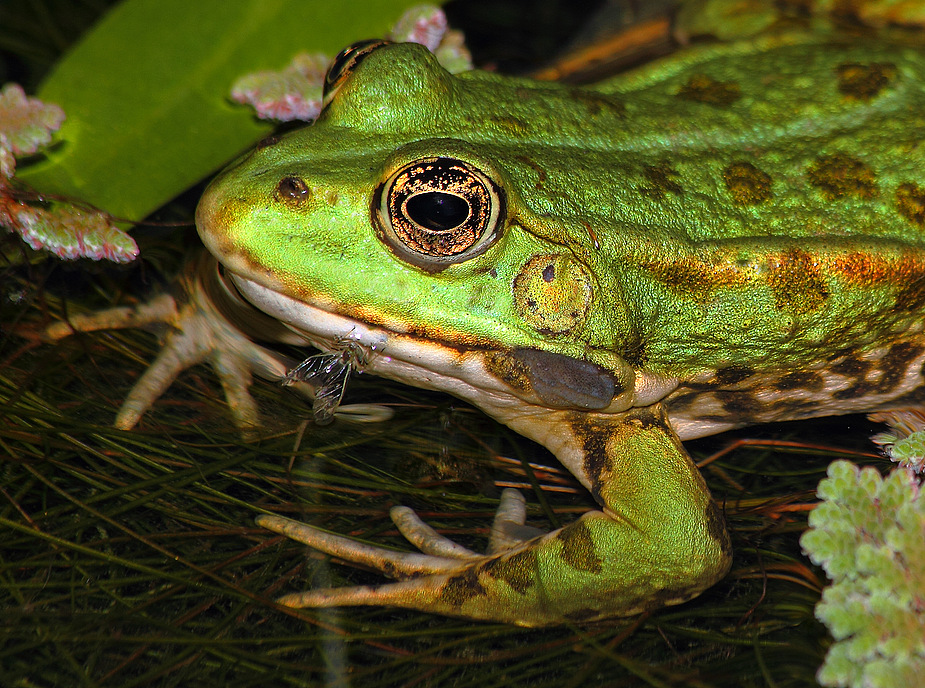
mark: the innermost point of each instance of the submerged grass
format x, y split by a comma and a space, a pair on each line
131, 558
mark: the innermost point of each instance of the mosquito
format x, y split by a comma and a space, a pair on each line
328, 373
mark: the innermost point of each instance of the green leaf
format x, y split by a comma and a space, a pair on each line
145, 92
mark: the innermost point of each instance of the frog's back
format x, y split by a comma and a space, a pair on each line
790, 136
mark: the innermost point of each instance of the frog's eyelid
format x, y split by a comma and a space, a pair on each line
344, 65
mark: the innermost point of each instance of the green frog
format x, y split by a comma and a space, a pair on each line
732, 235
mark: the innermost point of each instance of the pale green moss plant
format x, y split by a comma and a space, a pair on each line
868, 534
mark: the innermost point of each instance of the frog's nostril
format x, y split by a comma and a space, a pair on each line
292, 191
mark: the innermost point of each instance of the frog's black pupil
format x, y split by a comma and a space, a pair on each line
437, 211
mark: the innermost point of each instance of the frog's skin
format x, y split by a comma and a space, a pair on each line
731, 236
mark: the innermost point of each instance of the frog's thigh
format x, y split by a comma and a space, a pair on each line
660, 540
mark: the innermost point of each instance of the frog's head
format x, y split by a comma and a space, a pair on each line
399, 220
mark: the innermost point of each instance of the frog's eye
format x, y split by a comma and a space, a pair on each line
344, 64
438, 211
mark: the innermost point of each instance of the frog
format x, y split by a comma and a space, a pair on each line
731, 235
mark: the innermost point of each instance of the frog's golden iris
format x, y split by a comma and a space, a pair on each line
437, 211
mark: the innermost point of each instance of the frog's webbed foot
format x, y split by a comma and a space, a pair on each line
206, 322
440, 556
198, 331
197, 335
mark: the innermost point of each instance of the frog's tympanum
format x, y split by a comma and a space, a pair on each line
734, 235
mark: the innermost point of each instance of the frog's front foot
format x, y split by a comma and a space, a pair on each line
199, 330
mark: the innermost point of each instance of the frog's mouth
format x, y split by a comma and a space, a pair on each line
426, 363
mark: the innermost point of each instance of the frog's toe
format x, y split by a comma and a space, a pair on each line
508, 529
440, 579
161, 308
203, 325
392, 563
198, 335
174, 357
424, 537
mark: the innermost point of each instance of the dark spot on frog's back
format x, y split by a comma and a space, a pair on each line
839, 175
660, 179
692, 278
864, 81
910, 202
746, 184
597, 103
701, 88
797, 283
512, 126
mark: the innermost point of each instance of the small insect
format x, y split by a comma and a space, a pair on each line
328, 373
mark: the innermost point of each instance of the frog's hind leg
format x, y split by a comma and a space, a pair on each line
659, 540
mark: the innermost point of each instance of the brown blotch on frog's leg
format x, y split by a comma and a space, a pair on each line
462, 588
578, 549
516, 570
